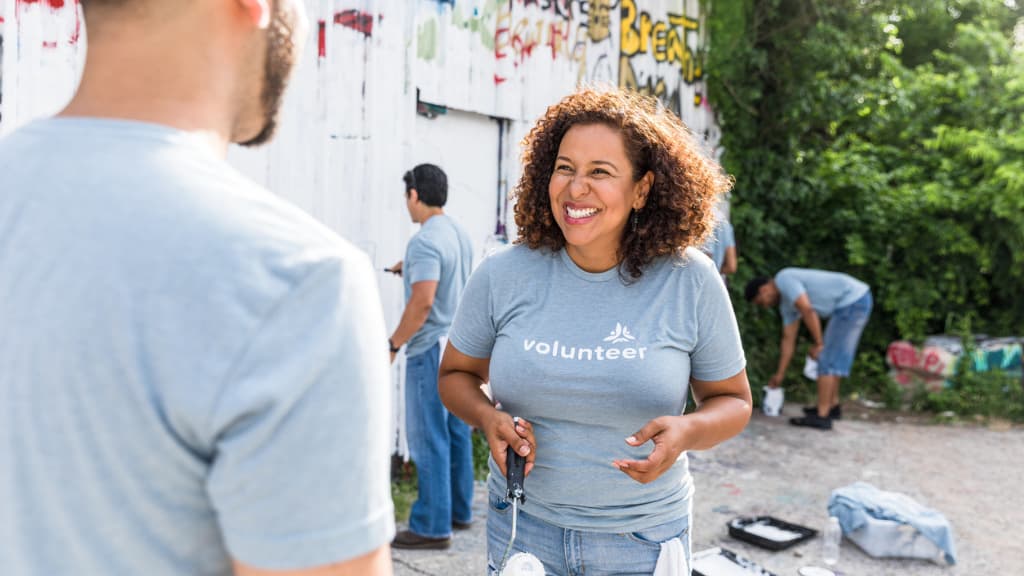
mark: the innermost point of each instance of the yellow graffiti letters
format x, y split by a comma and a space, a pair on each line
665, 40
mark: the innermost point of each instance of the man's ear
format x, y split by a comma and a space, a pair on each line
258, 12
414, 196
643, 190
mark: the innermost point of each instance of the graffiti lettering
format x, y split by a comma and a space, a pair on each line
652, 85
599, 19
479, 21
562, 8
356, 20
666, 41
55, 4
519, 39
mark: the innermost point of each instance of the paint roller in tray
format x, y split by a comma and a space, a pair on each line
521, 563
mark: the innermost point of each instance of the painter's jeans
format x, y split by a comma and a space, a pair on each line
565, 552
842, 336
442, 449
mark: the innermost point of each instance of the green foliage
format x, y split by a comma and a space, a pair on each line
883, 138
481, 450
992, 394
404, 488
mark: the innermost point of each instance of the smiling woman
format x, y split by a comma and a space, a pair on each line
592, 330
600, 158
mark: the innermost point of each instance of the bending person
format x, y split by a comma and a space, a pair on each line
810, 295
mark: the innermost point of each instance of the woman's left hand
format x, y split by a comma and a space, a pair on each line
669, 434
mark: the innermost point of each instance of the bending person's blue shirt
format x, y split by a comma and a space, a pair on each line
193, 369
827, 291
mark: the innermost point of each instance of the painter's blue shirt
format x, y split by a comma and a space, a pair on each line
440, 251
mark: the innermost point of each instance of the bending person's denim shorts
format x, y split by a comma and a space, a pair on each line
842, 336
565, 552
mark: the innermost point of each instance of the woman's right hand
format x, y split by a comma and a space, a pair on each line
502, 431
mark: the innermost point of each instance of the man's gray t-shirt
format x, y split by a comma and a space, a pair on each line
589, 359
191, 367
441, 251
826, 290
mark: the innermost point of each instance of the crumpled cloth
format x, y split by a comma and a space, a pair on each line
863, 506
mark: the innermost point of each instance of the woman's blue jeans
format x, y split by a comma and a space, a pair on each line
565, 552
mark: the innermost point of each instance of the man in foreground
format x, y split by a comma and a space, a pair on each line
193, 379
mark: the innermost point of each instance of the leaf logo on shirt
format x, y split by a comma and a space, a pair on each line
619, 335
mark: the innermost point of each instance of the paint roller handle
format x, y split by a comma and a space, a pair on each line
515, 466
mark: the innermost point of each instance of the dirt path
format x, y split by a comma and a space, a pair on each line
972, 474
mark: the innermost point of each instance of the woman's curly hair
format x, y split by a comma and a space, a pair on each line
687, 183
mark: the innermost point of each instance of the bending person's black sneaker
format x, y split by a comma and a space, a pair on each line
412, 541
812, 421
456, 525
836, 413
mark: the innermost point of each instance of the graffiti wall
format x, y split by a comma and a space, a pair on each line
935, 363
513, 58
382, 84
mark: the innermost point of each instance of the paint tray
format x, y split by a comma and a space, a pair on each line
722, 562
769, 532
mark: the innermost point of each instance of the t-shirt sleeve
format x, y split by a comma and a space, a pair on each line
790, 288
718, 354
474, 329
423, 261
300, 476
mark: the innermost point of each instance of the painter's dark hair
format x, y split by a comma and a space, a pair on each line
430, 182
754, 286
687, 182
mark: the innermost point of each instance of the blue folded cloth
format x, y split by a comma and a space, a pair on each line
853, 504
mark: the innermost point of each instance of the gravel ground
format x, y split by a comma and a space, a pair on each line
971, 473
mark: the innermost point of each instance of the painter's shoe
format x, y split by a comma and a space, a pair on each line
836, 413
812, 421
409, 540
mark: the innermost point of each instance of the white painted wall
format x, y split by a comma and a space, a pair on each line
465, 146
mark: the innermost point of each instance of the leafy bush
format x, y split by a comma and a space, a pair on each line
884, 139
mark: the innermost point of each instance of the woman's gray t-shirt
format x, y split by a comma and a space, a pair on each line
590, 359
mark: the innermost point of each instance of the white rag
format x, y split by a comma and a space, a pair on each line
672, 559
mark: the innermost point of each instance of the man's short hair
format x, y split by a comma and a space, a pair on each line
430, 182
754, 286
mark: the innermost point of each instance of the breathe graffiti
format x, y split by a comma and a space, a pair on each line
664, 40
